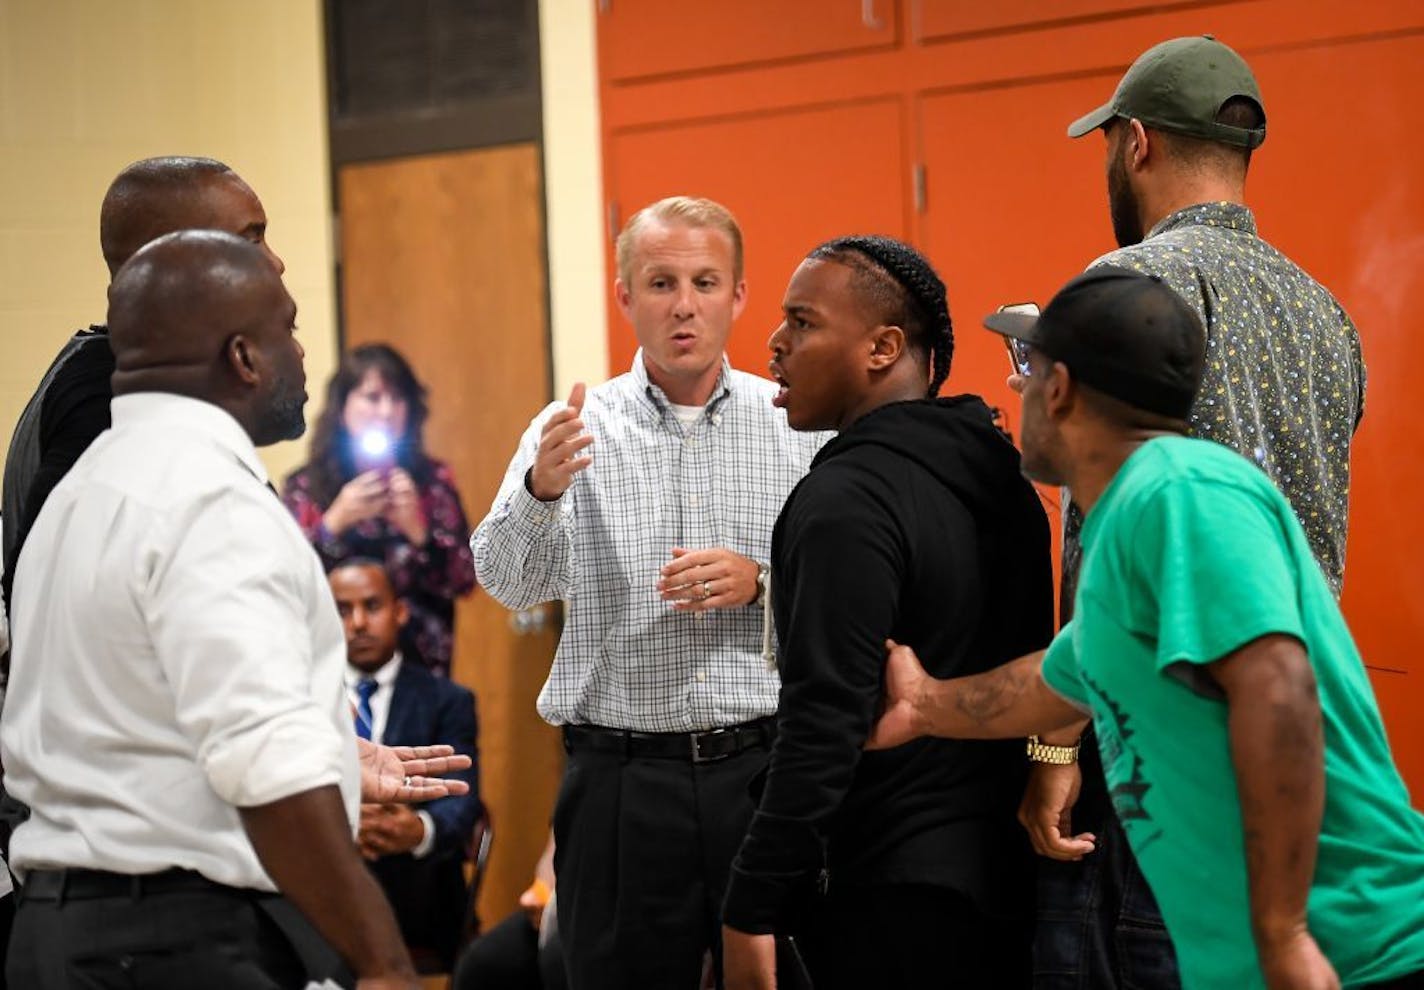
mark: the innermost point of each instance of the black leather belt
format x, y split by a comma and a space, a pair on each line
81, 885
694, 747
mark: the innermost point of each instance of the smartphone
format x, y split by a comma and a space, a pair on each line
374, 451
1018, 350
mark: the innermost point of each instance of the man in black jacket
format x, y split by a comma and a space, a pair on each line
913, 524
148, 199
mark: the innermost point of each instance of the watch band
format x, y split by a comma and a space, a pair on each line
1042, 752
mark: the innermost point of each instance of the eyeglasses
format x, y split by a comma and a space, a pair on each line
1018, 349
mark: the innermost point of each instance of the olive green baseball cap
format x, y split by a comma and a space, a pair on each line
1180, 86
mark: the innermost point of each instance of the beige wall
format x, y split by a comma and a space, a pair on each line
573, 193
87, 86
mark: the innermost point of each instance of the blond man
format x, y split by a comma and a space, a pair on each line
646, 504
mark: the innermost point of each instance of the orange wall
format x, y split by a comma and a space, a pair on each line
812, 118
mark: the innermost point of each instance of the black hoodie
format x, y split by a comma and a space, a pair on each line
914, 524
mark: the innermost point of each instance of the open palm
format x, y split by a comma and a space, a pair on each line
409, 773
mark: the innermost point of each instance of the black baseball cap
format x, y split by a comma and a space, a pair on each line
1180, 86
1124, 333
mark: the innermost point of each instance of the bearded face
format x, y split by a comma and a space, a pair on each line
1122, 200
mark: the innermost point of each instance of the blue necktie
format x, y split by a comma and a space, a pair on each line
365, 687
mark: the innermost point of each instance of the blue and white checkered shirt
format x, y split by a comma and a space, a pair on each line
627, 660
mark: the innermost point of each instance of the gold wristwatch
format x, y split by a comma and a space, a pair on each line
1042, 752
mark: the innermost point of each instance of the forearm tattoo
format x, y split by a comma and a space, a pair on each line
986, 698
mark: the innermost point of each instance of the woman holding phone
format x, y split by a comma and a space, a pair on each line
370, 490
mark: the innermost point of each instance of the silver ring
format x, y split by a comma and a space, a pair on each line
407, 782
706, 590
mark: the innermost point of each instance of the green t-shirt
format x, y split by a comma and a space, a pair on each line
1190, 554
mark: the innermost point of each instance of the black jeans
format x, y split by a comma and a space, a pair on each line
912, 937
1099, 927
216, 939
643, 847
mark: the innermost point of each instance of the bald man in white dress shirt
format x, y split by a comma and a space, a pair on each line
176, 719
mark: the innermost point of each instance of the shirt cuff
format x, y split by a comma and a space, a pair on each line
530, 515
427, 841
329, 543
777, 867
755, 904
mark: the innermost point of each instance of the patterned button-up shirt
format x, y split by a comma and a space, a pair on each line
1284, 382
626, 659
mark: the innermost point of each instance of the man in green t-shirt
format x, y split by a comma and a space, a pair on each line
1241, 742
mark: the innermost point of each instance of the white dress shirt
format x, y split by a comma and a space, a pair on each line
177, 655
626, 659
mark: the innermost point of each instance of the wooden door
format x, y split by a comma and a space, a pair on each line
443, 257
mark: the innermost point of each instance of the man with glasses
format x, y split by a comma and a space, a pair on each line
1242, 746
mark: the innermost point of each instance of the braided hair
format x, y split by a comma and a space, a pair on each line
902, 285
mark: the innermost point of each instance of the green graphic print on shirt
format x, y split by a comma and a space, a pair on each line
1130, 785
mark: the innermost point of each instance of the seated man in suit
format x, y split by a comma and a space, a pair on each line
417, 853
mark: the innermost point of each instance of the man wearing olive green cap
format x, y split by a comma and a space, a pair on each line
1283, 384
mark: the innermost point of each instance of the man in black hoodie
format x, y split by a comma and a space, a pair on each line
913, 524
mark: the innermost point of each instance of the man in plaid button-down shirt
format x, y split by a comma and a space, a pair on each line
646, 505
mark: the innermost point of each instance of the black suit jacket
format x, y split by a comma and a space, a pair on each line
428, 894
429, 710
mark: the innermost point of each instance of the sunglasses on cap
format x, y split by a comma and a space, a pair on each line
1018, 349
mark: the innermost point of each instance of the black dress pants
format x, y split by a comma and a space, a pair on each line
643, 846
214, 939
912, 937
